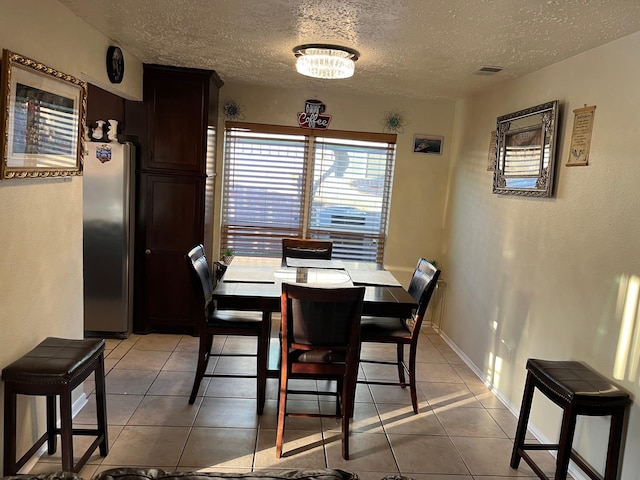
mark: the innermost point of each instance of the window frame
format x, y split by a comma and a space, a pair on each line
310, 136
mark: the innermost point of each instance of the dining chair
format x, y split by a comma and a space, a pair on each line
403, 331
320, 341
306, 248
210, 321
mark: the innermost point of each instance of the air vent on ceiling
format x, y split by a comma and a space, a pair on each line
488, 70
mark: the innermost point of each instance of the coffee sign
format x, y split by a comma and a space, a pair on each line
313, 116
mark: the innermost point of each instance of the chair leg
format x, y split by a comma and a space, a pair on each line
348, 400
282, 411
263, 360
204, 350
523, 420
400, 362
412, 378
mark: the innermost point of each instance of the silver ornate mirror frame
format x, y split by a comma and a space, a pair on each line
525, 149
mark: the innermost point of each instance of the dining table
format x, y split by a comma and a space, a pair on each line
255, 284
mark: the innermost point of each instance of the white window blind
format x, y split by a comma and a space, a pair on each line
350, 196
286, 182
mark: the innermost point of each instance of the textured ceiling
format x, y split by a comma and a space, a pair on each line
415, 48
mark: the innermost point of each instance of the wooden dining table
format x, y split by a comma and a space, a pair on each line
255, 284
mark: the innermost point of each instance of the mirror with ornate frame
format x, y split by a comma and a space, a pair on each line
525, 149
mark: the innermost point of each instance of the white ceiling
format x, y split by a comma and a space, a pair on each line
416, 48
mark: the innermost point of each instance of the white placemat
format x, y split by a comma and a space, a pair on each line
373, 277
314, 263
246, 274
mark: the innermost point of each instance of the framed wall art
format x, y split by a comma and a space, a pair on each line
427, 144
42, 120
581, 136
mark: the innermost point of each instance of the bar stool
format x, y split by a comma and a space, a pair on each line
578, 390
54, 368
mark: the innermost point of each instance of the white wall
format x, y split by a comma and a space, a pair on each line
545, 278
41, 219
415, 225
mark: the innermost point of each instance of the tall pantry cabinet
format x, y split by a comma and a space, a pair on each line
179, 114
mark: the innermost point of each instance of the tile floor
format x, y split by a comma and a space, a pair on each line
463, 432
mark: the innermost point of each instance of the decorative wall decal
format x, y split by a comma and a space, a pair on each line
313, 116
393, 122
581, 136
233, 110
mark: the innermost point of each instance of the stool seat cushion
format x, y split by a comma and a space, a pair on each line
576, 383
54, 361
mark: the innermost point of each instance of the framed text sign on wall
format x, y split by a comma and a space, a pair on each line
42, 119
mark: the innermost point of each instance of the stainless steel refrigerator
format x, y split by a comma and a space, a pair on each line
108, 219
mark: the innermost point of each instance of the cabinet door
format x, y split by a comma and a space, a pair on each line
177, 107
172, 224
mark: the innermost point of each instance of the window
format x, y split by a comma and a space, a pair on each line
286, 181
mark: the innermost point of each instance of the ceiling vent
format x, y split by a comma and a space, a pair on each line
488, 70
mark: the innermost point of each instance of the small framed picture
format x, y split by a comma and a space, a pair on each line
428, 144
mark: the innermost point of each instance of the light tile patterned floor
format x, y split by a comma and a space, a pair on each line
462, 432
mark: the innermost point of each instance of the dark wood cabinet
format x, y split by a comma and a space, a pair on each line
173, 224
179, 106
177, 103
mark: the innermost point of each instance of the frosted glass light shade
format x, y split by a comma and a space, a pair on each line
325, 61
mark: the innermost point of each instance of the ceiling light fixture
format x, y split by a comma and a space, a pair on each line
320, 60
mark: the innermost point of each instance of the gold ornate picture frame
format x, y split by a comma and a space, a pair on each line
42, 120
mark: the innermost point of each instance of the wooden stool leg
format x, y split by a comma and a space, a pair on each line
52, 437
523, 420
615, 444
66, 430
565, 442
10, 430
101, 406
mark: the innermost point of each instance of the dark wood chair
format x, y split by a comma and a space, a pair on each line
306, 248
210, 322
321, 341
403, 331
